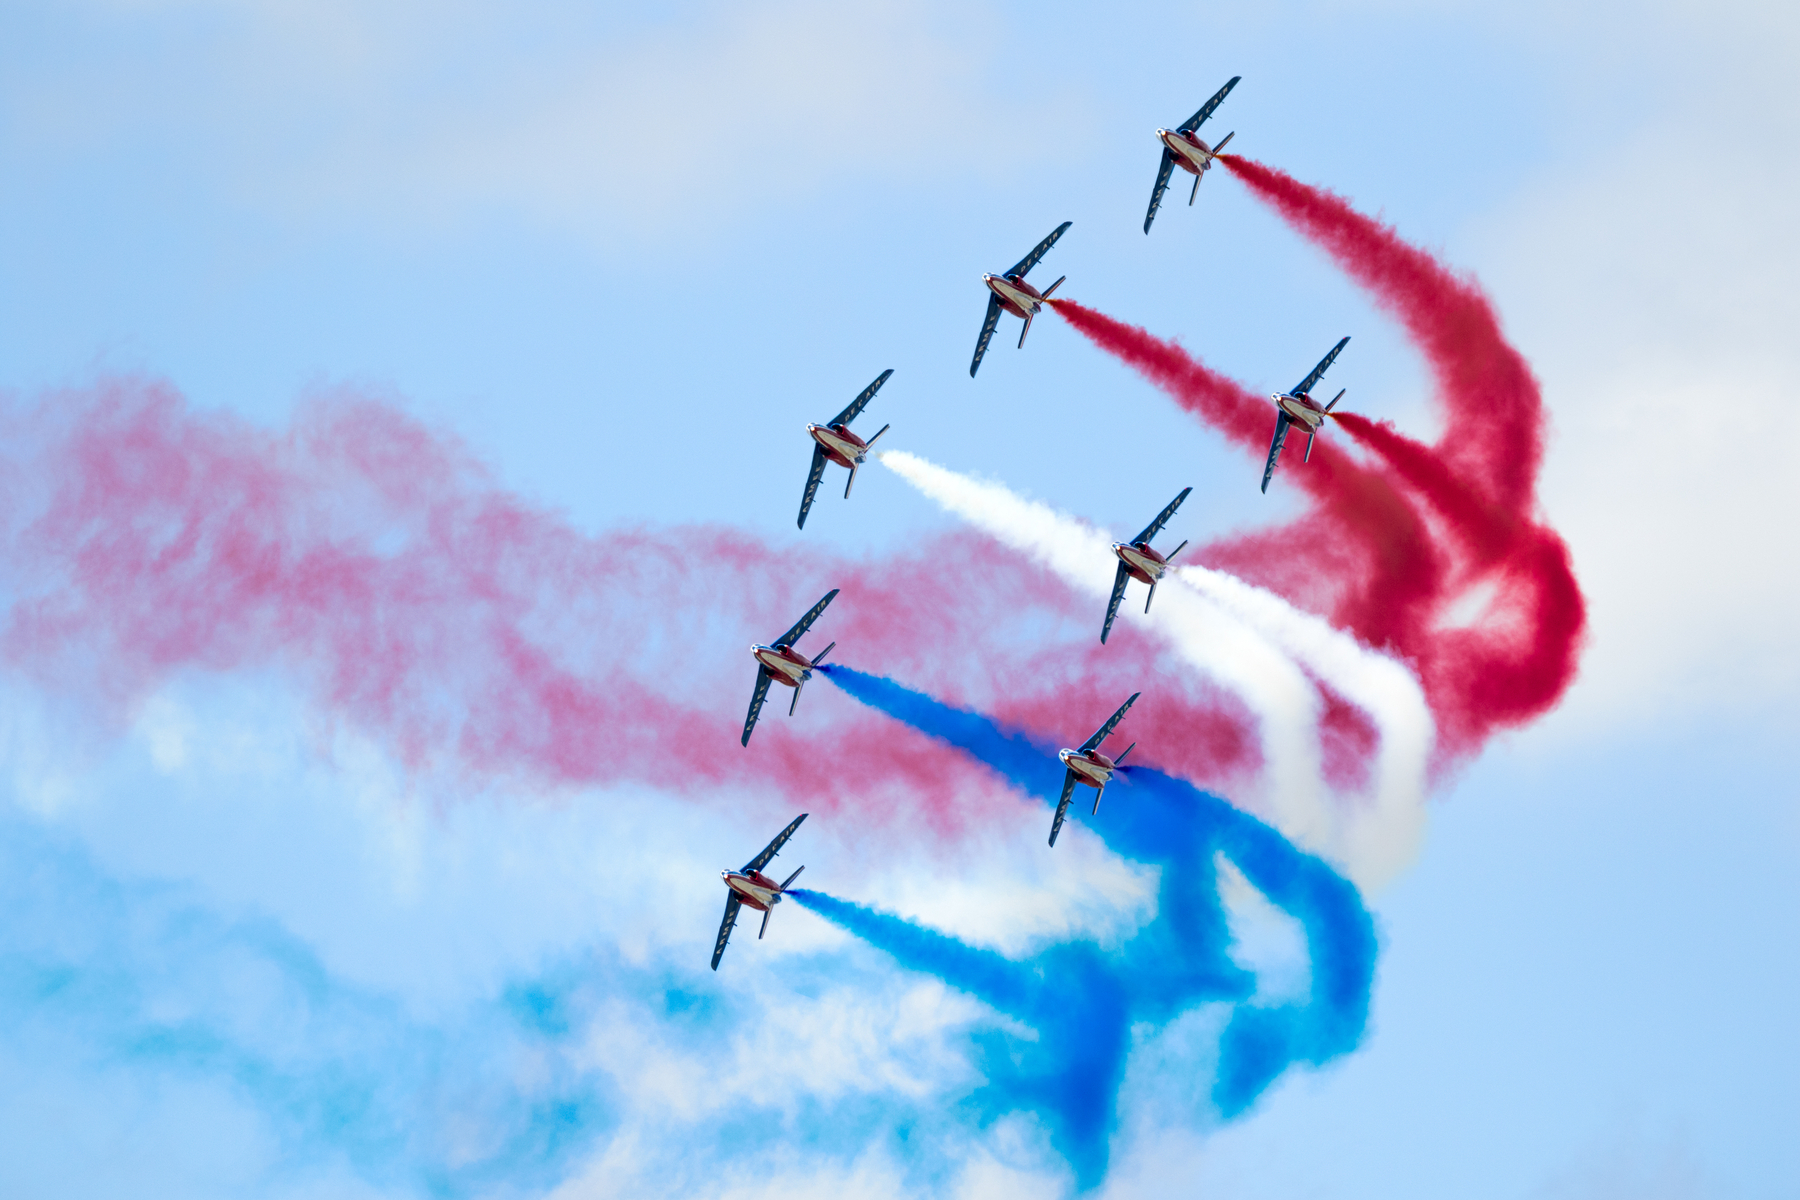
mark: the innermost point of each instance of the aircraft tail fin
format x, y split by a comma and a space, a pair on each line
1193, 195
820, 657
1311, 434
1025, 330
1098, 792
1054, 286
790, 879
1335, 399
765, 924
850, 481
1149, 598
795, 702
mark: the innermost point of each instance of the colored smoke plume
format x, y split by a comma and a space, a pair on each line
1471, 588
471, 632
1266, 652
1083, 1002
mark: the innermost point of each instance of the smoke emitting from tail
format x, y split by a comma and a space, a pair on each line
1080, 1001
1372, 561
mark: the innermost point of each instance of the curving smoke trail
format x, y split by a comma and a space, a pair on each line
1438, 555
1080, 1001
474, 633
1263, 650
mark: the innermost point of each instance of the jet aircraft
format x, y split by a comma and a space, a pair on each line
1087, 765
835, 443
1138, 561
750, 886
1298, 407
784, 664
1183, 148
1012, 293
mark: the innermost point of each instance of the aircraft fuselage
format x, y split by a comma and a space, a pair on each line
783, 663
1016, 296
840, 445
1192, 154
1300, 408
1144, 563
753, 888
1092, 768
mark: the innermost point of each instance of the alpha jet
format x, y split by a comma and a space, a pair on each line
1183, 147
1012, 293
783, 664
1088, 766
1299, 408
835, 443
1138, 561
750, 886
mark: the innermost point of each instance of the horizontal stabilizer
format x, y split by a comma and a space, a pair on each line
1054, 286
1335, 399
870, 444
786, 883
1175, 551
821, 655
1220, 148
1121, 757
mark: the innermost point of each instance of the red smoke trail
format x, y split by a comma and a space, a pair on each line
1363, 556
1482, 671
477, 634
1485, 383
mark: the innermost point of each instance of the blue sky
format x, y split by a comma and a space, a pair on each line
625, 254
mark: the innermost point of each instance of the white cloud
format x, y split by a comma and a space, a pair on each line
605, 122
1647, 270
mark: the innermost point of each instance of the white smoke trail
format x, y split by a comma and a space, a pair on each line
1204, 633
1254, 643
1378, 841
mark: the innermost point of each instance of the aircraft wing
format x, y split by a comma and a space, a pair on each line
756, 702
1281, 428
732, 904
1112, 606
1062, 806
1031, 260
1112, 723
861, 402
805, 623
774, 847
1306, 385
1162, 518
1206, 110
1162, 185
812, 483
987, 332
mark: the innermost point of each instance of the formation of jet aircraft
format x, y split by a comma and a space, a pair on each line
748, 885
1299, 408
833, 442
1010, 292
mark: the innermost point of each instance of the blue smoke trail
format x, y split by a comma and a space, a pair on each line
1083, 1001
